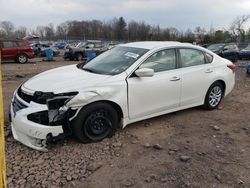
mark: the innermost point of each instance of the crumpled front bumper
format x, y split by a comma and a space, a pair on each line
27, 132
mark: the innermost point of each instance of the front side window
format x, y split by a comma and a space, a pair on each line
191, 57
161, 61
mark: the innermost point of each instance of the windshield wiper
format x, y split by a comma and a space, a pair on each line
89, 70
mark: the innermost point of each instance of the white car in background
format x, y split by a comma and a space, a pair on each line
129, 83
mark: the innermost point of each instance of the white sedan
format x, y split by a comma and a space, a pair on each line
129, 83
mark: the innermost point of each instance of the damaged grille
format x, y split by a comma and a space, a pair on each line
38, 97
27, 98
17, 105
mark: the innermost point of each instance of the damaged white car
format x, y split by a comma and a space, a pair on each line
128, 83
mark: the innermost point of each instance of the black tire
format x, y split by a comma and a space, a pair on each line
22, 58
79, 57
95, 122
214, 96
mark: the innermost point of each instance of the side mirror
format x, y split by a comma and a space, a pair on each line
144, 72
225, 49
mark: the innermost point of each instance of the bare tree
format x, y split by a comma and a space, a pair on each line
237, 27
40, 30
49, 31
8, 27
62, 30
200, 34
21, 32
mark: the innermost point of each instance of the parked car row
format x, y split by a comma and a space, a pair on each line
79, 52
39, 49
229, 51
245, 53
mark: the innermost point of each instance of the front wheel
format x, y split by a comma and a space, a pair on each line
95, 122
214, 96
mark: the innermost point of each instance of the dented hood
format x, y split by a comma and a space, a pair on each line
63, 79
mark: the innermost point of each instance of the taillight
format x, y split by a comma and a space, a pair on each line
232, 67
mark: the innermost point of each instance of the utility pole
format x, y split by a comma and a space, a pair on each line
3, 183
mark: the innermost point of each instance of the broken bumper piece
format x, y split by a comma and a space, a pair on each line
29, 133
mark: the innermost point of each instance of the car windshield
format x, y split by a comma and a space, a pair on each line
81, 44
215, 46
114, 61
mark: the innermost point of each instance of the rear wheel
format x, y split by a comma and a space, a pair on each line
22, 58
214, 96
95, 122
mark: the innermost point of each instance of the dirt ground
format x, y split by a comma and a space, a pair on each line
192, 148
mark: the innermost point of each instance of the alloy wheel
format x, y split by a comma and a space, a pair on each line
215, 96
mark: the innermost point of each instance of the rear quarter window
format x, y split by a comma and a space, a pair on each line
191, 57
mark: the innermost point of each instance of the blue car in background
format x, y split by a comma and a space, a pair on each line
60, 45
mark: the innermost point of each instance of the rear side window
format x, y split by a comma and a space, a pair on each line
9, 44
191, 57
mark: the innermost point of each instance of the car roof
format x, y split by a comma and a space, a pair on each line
11, 39
156, 44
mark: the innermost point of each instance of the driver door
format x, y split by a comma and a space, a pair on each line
150, 96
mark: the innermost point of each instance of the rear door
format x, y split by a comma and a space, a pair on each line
196, 75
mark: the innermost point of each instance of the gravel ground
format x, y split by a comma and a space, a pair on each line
190, 148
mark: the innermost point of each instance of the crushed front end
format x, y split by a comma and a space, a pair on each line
37, 118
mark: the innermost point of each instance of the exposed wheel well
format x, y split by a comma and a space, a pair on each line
113, 104
21, 54
223, 84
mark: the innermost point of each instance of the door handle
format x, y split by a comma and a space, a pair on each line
208, 71
174, 78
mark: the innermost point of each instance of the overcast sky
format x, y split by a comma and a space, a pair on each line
182, 14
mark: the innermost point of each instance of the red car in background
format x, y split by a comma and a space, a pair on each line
16, 49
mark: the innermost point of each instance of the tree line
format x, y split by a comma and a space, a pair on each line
118, 29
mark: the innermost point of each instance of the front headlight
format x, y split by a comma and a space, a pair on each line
56, 106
